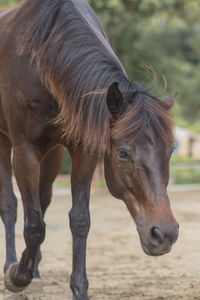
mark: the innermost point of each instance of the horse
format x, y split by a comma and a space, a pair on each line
62, 86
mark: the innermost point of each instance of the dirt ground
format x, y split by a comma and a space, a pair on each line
117, 267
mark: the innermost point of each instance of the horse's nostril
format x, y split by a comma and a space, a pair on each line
157, 237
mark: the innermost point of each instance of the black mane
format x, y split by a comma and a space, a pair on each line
64, 41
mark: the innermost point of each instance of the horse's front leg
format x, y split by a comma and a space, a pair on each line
49, 169
27, 172
8, 201
83, 167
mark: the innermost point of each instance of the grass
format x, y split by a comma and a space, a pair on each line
188, 174
177, 176
185, 176
183, 159
62, 181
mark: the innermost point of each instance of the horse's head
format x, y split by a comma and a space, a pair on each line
137, 167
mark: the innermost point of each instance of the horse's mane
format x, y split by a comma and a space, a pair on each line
145, 111
73, 58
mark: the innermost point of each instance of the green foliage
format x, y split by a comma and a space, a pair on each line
164, 34
185, 176
184, 170
62, 182
66, 164
183, 159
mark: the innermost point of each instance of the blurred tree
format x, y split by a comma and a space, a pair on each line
164, 34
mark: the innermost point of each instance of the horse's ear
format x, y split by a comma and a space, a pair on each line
169, 101
115, 100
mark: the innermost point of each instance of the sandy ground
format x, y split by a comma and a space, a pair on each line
117, 267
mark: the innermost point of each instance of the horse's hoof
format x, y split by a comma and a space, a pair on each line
8, 281
35, 286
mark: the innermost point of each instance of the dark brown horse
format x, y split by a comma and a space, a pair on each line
61, 85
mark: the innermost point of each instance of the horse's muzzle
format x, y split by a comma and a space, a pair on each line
159, 239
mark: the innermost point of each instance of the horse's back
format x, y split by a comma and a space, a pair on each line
5, 17
7, 11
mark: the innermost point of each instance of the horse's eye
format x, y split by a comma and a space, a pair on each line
122, 153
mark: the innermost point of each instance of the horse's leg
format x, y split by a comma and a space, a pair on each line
83, 167
27, 172
8, 201
49, 169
